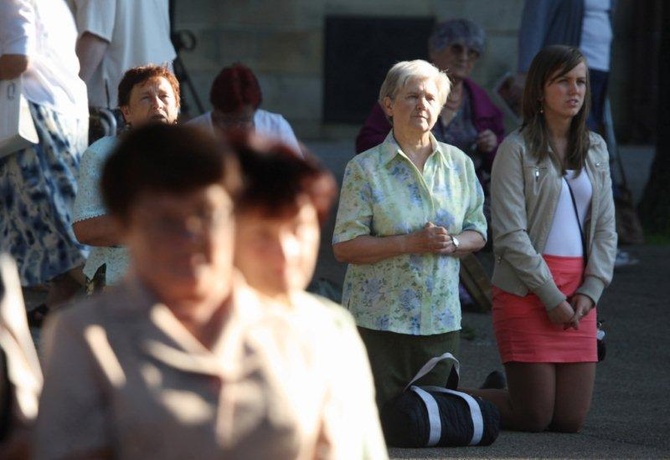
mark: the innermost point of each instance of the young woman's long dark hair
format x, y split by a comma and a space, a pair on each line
550, 64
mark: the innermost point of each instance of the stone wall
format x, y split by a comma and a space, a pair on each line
283, 42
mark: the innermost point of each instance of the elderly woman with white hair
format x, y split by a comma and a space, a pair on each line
468, 120
409, 209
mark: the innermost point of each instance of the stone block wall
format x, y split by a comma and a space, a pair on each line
283, 42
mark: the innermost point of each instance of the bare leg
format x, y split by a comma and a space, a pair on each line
543, 396
574, 390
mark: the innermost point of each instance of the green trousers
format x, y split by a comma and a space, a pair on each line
396, 358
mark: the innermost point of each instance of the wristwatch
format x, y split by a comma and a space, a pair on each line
455, 241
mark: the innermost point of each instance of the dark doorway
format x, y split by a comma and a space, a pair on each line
359, 51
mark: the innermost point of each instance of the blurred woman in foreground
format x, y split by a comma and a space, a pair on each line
286, 199
181, 359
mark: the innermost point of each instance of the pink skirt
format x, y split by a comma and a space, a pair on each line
523, 330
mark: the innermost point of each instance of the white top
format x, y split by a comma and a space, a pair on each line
88, 204
44, 31
138, 33
564, 238
268, 124
597, 34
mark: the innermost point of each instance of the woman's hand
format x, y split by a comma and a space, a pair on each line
562, 314
486, 141
432, 239
12, 65
581, 305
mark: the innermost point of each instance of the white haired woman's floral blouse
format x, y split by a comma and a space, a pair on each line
384, 194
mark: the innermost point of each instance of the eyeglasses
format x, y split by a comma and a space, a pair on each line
196, 225
458, 49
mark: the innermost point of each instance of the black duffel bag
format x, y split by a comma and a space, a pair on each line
427, 416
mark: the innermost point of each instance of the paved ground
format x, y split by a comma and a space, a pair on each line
630, 417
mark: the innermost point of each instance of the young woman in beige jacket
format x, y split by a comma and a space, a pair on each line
554, 241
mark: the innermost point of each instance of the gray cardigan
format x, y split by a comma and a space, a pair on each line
524, 196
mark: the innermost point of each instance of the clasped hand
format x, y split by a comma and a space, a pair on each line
433, 239
569, 313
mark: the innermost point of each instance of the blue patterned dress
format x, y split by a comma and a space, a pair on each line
37, 189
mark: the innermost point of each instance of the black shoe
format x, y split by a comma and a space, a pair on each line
494, 381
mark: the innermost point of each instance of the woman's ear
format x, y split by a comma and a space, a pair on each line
125, 111
387, 106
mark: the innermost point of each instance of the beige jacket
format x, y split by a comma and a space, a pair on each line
122, 375
524, 196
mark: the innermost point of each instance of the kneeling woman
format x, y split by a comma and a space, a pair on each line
555, 244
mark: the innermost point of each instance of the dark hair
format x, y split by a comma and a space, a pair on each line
275, 177
554, 61
235, 87
138, 75
175, 159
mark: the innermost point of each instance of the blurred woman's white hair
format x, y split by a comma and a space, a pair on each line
404, 71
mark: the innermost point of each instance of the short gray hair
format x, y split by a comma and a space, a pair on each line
463, 31
403, 71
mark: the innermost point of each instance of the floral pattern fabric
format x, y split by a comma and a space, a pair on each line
37, 189
384, 194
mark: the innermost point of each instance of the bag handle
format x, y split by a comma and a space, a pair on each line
431, 364
435, 421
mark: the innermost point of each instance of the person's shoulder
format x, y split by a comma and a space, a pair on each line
512, 146
203, 120
95, 155
452, 152
370, 158
271, 118
76, 316
596, 139
475, 89
103, 145
514, 139
598, 146
324, 309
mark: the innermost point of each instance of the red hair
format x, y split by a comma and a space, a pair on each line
234, 87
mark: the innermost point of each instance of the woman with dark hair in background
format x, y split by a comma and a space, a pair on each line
236, 98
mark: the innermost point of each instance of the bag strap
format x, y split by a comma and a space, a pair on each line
431, 364
579, 223
435, 421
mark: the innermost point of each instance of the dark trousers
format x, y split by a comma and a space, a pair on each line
596, 120
396, 358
